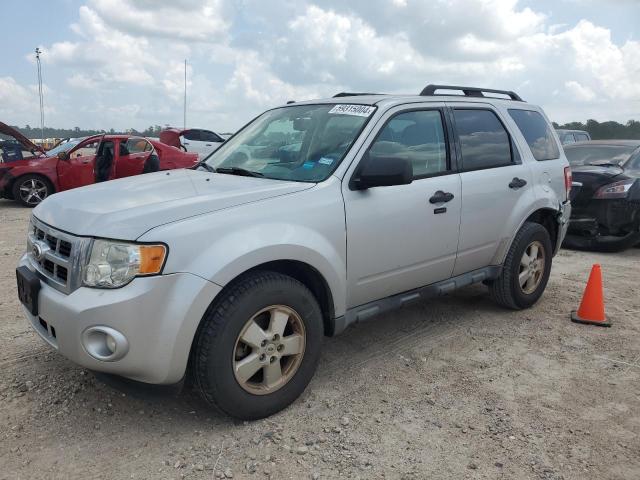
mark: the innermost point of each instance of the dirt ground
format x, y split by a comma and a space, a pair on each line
454, 388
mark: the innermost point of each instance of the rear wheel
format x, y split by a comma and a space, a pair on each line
30, 190
526, 269
258, 345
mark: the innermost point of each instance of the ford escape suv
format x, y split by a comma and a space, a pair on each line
314, 216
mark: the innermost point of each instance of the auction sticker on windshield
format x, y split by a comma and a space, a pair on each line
359, 110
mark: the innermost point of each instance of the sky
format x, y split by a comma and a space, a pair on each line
120, 63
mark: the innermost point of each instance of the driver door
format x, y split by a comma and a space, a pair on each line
131, 156
77, 169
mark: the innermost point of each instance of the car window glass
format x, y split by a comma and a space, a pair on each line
484, 142
588, 154
193, 135
537, 133
581, 137
303, 143
86, 150
416, 136
137, 145
568, 139
207, 136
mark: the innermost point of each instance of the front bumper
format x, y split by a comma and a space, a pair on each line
158, 316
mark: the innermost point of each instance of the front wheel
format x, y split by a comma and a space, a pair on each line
526, 269
30, 190
258, 346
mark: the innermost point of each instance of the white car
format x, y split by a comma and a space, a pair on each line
196, 140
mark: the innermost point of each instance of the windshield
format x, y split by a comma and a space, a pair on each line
589, 154
64, 147
303, 143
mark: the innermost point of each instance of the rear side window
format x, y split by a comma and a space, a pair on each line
417, 136
193, 135
537, 133
207, 136
568, 139
581, 137
484, 141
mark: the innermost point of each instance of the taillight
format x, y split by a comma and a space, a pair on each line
568, 180
615, 190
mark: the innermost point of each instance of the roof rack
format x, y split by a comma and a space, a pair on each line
353, 94
430, 91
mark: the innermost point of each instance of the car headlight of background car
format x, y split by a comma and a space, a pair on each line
113, 264
615, 190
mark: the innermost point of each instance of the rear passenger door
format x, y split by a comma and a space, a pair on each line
132, 155
496, 186
400, 237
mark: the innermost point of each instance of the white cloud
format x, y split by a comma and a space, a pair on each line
245, 56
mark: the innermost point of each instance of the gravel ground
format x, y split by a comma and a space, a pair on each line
453, 388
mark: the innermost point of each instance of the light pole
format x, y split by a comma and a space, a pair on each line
38, 52
185, 94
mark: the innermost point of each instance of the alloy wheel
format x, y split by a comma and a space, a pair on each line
531, 269
33, 191
269, 350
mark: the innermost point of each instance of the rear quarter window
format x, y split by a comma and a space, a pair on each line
538, 134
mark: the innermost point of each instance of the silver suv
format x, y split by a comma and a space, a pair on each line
314, 216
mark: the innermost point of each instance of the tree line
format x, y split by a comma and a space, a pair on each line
597, 130
76, 132
606, 130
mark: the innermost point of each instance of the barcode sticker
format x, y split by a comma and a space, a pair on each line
359, 110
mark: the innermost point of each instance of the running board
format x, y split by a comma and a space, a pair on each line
375, 308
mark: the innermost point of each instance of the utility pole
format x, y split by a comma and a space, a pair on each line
38, 52
185, 94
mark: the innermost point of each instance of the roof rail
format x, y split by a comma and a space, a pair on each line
353, 94
430, 91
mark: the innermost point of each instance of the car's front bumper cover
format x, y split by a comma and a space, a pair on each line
158, 315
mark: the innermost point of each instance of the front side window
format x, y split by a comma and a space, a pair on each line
537, 133
581, 137
193, 135
484, 142
568, 139
417, 136
303, 143
86, 150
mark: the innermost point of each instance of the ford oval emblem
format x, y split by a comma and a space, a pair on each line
38, 250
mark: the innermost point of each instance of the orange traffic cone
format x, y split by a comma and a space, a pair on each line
591, 309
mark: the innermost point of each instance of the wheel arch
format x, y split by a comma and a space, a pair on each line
543, 215
11, 184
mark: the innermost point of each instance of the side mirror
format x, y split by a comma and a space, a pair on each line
383, 172
63, 156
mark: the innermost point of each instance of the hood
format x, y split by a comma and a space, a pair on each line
24, 141
125, 209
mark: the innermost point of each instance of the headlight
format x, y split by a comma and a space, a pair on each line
113, 264
615, 190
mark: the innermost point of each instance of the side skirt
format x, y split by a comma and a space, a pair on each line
375, 308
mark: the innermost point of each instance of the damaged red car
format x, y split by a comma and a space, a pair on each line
31, 175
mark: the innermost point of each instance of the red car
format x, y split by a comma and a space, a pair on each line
32, 175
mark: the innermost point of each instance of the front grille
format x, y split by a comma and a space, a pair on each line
57, 256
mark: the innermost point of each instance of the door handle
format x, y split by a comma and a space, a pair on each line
517, 183
441, 197
84, 162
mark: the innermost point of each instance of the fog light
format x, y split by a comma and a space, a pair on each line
105, 343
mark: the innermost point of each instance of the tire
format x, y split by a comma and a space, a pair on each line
507, 290
30, 190
219, 348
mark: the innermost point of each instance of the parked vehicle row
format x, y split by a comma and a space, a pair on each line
315, 216
80, 162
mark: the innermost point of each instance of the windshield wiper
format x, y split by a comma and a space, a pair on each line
239, 171
204, 165
605, 164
